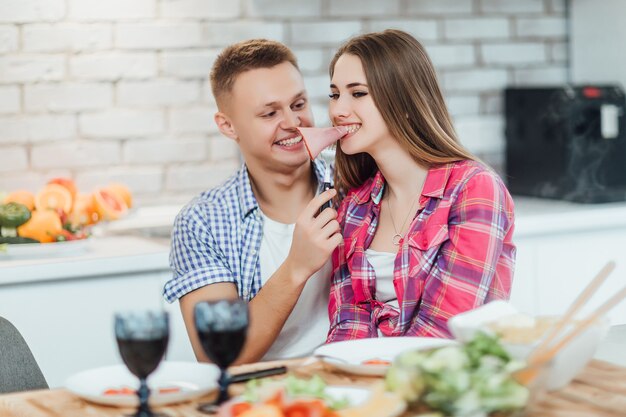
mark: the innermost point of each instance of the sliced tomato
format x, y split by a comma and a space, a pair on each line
169, 390
239, 408
277, 400
120, 391
305, 408
376, 362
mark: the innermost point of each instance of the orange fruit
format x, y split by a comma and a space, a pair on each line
23, 197
67, 183
109, 205
42, 226
84, 211
122, 191
54, 197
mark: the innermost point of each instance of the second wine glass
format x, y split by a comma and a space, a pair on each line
142, 338
222, 327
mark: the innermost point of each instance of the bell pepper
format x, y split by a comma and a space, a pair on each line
12, 215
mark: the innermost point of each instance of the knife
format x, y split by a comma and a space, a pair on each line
246, 376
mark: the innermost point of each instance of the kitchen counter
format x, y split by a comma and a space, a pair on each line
96, 256
536, 216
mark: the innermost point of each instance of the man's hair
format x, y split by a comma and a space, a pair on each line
244, 56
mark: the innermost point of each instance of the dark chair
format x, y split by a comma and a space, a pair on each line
18, 368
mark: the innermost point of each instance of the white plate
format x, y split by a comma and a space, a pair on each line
44, 250
349, 355
193, 379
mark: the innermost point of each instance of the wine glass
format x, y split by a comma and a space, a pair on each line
222, 327
142, 338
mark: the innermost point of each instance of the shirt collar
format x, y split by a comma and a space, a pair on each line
247, 200
434, 186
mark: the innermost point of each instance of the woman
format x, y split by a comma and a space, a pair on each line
427, 228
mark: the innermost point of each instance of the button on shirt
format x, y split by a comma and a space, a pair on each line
457, 254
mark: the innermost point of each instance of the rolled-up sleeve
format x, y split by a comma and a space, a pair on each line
195, 257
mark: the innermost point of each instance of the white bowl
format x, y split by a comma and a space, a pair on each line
565, 365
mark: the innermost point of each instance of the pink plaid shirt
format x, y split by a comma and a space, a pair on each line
457, 255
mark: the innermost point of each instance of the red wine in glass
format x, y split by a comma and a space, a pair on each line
142, 338
222, 327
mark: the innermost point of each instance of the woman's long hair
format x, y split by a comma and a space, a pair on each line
404, 87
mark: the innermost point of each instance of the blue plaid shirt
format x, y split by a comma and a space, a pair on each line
217, 238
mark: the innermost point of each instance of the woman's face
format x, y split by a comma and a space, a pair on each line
352, 105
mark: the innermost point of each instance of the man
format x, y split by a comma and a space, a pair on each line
259, 236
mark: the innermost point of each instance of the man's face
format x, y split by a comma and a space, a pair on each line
265, 107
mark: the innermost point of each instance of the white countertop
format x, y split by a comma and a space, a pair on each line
97, 256
534, 216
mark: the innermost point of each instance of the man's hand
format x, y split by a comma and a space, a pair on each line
314, 238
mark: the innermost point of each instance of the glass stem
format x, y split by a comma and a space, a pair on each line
224, 381
143, 393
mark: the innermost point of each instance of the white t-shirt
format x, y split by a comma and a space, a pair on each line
382, 262
307, 325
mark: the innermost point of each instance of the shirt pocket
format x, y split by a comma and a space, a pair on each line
430, 236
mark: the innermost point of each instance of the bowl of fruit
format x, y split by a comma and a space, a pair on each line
57, 213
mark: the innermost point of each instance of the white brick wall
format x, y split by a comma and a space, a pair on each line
67, 97
122, 123
457, 55
481, 134
188, 63
32, 68
311, 60
475, 79
445, 7
157, 93
478, 28
97, 10
8, 38
117, 89
67, 37
512, 6
422, 29
285, 9
541, 27
146, 151
463, 105
209, 9
36, 128
9, 100
323, 33
75, 154
516, 53
22, 11
223, 149
197, 119
13, 158
111, 66
224, 33
142, 179
157, 35
374, 8
191, 177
